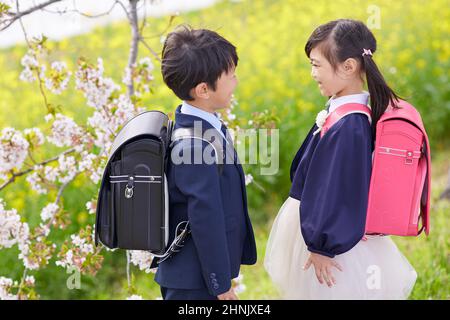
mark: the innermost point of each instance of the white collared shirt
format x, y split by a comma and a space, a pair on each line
362, 98
211, 118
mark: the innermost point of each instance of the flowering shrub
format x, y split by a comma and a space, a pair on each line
85, 150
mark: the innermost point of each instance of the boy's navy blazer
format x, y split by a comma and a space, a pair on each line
215, 204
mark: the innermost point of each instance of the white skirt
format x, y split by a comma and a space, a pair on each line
373, 269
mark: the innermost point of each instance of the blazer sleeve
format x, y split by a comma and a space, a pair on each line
299, 153
200, 184
334, 200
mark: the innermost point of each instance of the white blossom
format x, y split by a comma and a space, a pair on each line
128, 77
5, 286
29, 280
29, 63
67, 168
35, 182
142, 259
82, 244
141, 74
24, 256
36, 135
29, 60
51, 173
91, 206
135, 297
96, 174
65, 132
90, 163
96, 88
13, 149
49, 211
67, 261
59, 77
76, 256
36, 186
27, 75
48, 117
12, 230
106, 121
45, 229
41, 173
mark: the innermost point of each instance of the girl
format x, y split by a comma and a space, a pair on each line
317, 248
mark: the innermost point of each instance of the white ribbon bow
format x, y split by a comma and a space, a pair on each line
320, 120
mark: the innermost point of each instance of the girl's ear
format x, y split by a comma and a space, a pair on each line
201, 91
350, 66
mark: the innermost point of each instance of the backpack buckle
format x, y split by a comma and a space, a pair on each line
129, 188
409, 157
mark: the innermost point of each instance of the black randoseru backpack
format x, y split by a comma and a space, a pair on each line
132, 207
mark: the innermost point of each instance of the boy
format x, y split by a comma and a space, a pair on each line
199, 67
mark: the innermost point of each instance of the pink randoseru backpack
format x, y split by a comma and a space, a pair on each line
400, 185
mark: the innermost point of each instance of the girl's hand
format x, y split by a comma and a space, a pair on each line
322, 266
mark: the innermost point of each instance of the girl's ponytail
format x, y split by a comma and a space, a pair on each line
381, 95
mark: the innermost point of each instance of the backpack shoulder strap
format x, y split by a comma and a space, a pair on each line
190, 133
344, 110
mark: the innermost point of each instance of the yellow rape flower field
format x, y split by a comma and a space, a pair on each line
274, 74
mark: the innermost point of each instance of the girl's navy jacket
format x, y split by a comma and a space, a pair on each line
331, 178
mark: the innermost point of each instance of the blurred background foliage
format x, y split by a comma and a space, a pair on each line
274, 73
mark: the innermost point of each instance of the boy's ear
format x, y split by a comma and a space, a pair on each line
201, 91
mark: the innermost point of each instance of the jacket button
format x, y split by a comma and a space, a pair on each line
216, 286
212, 275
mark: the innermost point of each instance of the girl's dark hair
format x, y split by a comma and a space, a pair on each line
190, 57
342, 39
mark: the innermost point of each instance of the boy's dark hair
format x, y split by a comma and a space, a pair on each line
341, 39
190, 57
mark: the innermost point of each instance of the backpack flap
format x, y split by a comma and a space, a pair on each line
137, 156
138, 190
399, 188
408, 113
396, 181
